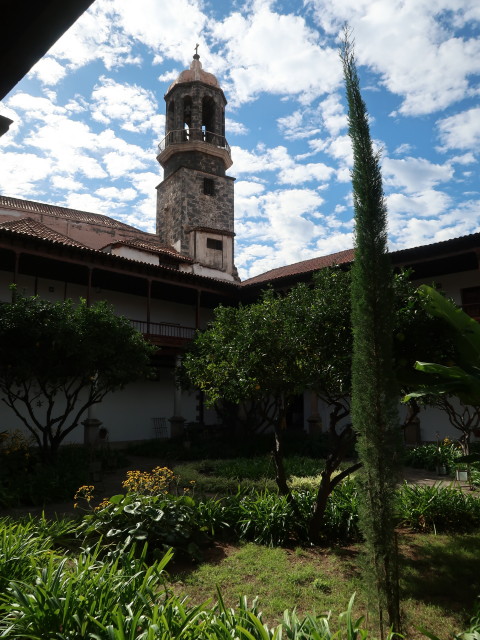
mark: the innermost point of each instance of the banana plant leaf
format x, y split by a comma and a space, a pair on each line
463, 378
449, 381
466, 329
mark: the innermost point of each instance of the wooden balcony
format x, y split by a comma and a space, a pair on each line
164, 334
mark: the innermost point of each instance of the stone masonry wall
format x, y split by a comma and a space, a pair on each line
182, 203
194, 160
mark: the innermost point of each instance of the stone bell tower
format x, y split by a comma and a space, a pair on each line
195, 200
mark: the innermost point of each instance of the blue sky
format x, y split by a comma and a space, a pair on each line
88, 117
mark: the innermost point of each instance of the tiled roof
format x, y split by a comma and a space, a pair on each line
34, 229
306, 266
452, 244
150, 246
62, 212
31, 227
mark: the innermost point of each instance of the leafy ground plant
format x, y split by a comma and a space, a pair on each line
273, 520
83, 597
94, 596
22, 548
249, 474
430, 456
147, 512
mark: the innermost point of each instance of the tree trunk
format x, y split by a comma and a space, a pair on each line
327, 485
280, 474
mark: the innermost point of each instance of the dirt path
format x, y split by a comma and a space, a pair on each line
111, 484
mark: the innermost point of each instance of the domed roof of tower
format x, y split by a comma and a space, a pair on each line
195, 73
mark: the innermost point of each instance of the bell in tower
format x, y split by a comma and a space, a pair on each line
195, 208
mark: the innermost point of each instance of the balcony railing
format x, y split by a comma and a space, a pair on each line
180, 136
164, 332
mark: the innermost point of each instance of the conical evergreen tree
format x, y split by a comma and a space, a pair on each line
374, 398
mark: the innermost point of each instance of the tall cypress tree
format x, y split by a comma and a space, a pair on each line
374, 398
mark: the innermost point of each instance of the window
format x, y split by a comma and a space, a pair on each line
208, 187
471, 302
214, 244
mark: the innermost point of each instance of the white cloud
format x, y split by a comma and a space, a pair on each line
461, 131
21, 172
300, 124
248, 188
94, 36
403, 148
412, 45
301, 173
114, 193
49, 71
234, 127
132, 106
120, 164
260, 160
34, 107
88, 202
333, 114
67, 183
466, 158
165, 26
277, 159
71, 148
262, 55
333, 243
453, 221
142, 215
427, 203
415, 174
145, 182
283, 220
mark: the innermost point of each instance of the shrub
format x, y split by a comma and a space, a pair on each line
224, 444
429, 456
270, 519
243, 475
437, 508
25, 480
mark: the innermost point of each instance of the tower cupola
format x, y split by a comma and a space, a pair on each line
195, 200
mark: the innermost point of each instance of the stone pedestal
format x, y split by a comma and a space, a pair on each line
90, 431
314, 425
412, 433
177, 426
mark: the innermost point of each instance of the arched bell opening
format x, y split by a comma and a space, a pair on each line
170, 116
187, 117
208, 119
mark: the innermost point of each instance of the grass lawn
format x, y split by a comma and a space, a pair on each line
440, 580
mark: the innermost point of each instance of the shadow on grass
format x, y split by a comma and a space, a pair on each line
441, 570
213, 554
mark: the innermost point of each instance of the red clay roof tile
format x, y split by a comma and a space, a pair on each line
306, 266
32, 227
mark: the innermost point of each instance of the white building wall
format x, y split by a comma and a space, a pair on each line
128, 413
453, 283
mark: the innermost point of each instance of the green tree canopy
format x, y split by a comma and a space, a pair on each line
58, 359
268, 352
